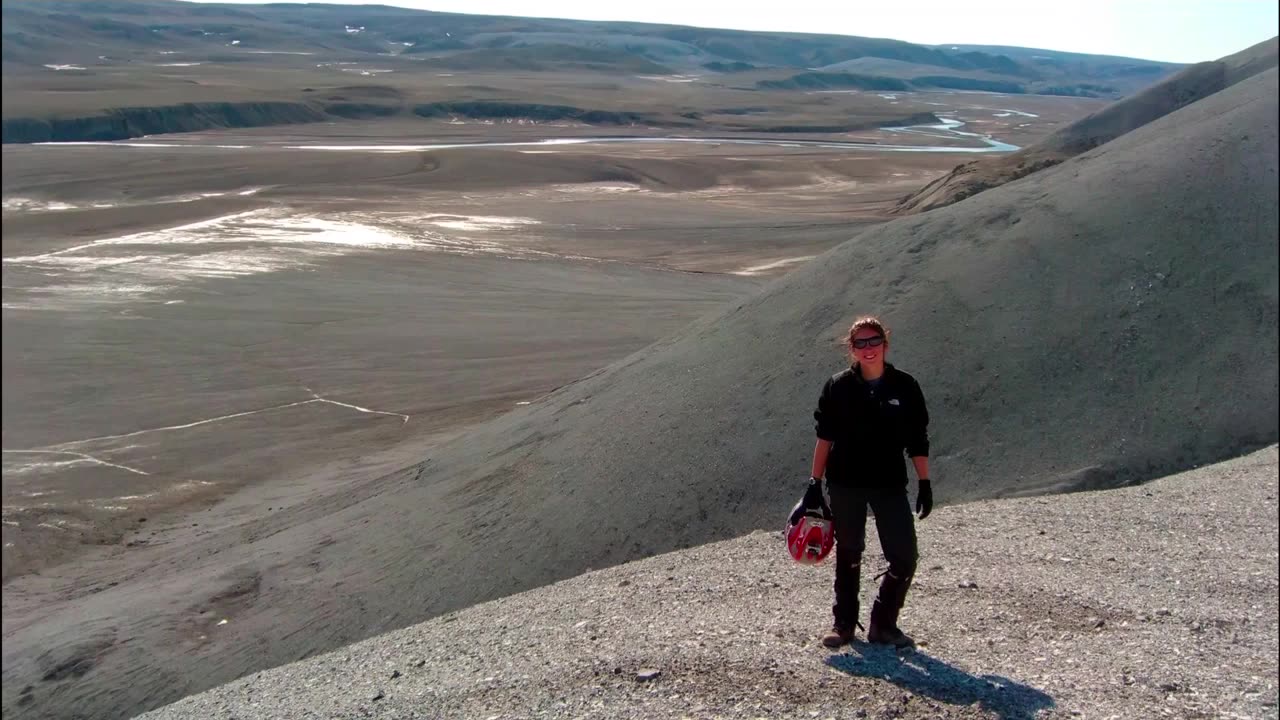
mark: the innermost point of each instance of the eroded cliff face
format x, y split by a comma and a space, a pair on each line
975, 176
125, 123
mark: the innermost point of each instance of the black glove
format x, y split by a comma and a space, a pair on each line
813, 496
813, 500
924, 499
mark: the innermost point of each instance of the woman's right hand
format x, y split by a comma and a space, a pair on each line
813, 495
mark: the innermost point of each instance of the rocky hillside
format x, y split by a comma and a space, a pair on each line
1099, 324
1151, 601
1192, 84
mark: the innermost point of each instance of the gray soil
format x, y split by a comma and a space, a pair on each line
1059, 326
1152, 601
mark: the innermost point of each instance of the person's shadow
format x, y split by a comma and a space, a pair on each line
930, 677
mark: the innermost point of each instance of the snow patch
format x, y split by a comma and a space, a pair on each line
19, 204
669, 78
141, 265
758, 269
476, 222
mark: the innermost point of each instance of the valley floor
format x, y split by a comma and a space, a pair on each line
218, 310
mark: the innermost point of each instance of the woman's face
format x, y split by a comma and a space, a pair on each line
871, 352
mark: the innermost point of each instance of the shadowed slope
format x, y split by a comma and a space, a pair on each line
1192, 84
1101, 323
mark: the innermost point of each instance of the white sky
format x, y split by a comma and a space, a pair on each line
1172, 30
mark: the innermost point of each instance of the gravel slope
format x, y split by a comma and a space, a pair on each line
1157, 600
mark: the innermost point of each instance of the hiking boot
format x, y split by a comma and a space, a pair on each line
890, 635
837, 636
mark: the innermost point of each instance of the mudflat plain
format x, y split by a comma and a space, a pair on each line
190, 314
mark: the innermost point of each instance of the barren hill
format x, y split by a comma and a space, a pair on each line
1025, 608
1195, 82
1102, 323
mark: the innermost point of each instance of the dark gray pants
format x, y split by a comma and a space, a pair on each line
896, 526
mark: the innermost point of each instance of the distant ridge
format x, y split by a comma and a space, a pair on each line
83, 70
37, 32
548, 57
1195, 82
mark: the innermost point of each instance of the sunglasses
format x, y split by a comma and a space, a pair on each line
861, 343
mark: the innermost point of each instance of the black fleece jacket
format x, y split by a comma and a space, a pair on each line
872, 429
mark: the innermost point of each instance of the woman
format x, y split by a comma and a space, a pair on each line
869, 415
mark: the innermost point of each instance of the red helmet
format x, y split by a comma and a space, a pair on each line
810, 532
810, 540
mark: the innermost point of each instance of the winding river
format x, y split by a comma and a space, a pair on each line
948, 129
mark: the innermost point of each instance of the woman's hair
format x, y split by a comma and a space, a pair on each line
867, 321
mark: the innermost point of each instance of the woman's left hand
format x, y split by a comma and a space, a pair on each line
924, 499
